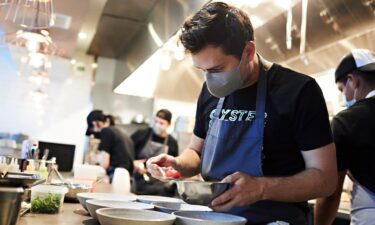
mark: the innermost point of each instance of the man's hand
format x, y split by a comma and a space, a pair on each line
139, 166
163, 162
246, 190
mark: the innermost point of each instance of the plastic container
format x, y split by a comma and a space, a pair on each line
47, 198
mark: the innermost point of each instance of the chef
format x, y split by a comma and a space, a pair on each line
354, 132
151, 142
259, 125
116, 148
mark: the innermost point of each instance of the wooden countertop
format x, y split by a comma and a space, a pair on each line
72, 213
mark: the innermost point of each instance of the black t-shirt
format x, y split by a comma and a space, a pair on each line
296, 118
354, 136
119, 146
141, 137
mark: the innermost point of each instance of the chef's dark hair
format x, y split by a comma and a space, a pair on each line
110, 119
368, 76
217, 24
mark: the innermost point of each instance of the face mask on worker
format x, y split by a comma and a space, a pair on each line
349, 103
222, 84
159, 129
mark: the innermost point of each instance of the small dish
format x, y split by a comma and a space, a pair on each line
95, 204
133, 217
170, 207
155, 198
207, 218
83, 197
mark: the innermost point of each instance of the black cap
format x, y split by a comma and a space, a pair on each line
358, 59
164, 114
95, 115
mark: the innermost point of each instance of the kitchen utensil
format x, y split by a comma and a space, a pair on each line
207, 218
169, 207
200, 192
73, 190
83, 197
95, 204
18, 179
10, 205
45, 154
133, 217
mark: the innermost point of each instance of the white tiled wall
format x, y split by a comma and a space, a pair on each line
61, 117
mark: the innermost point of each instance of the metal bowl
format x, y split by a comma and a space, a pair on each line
201, 192
74, 189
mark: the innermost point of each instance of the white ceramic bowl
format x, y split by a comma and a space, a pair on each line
155, 198
95, 204
207, 218
83, 197
110, 216
170, 207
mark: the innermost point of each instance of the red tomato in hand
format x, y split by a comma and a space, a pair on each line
173, 174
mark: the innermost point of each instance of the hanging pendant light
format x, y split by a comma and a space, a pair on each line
4, 2
31, 14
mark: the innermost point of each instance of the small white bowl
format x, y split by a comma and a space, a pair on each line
155, 198
133, 217
95, 204
83, 197
207, 218
170, 207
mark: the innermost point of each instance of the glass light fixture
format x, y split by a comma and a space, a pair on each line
32, 40
32, 14
4, 2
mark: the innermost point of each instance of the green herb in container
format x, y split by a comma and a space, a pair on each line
47, 198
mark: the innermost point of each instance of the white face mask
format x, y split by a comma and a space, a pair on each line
350, 102
224, 83
159, 129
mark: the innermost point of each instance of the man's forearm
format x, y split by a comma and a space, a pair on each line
309, 184
326, 208
188, 163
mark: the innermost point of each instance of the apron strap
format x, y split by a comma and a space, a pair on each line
219, 107
261, 91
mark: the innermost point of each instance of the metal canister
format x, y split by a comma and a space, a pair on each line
10, 204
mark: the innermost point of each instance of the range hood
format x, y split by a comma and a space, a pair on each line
333, 28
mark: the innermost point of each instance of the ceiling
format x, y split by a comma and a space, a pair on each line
119, 23
333, 28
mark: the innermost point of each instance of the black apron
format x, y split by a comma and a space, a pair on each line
150, 185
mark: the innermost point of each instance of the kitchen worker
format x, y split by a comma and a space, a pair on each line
354, 135
152, 142
341, 79
260, 126
116, 148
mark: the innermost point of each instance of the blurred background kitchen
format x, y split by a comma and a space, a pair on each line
122, 56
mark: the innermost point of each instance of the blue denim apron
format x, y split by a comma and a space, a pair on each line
237, 146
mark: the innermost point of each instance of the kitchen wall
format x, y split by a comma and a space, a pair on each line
332, 95
58, 117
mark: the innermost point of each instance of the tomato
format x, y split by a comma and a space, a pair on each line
173, 174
